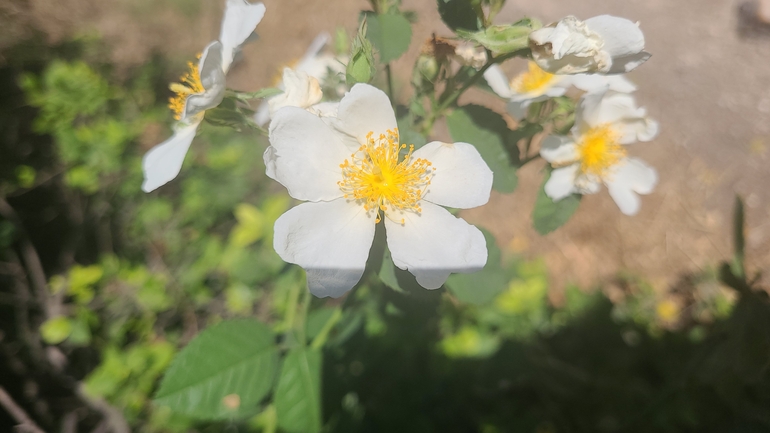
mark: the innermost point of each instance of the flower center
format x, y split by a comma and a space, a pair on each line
190, 84
600, 151
375, 175
533, 80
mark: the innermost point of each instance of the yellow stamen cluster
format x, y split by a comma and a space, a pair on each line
535, 79
600, 151
190, 84
375, 176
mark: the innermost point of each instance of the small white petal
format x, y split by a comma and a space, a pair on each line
461, 177
269, 157
559, 150
212, 79
632, 176
620, 111
365, 109
622, 65
434, 244
621, 37
562, 182
325, 110
330, 240
497, 80
307, 155
598, 83
162, 163
239, 22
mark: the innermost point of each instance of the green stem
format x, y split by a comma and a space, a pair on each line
445, 102
389, 76
323, 335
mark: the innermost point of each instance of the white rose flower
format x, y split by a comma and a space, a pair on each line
603, 44
352, 171
595, 153
202, 88
533, 85
315, 63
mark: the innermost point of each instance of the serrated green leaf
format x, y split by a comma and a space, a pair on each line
481, 287
549, 215
488, 131
459, 14
390, 34
298, 395
224, 372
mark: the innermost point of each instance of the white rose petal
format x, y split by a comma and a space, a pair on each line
239, 22
462, 179
162, 163
330, 240
306, 155
633, 176
434, 244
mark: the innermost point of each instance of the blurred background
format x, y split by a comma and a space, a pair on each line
611, 323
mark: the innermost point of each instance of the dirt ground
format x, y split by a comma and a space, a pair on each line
708, 87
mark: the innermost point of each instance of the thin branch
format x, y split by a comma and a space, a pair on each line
25, 422
29, 255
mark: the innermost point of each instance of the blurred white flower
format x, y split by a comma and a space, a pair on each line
532, 85
595, 152
300, 90
352, 171
470, 55
603, 44
202, 88
316, 64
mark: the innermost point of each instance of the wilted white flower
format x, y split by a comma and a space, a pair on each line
314, 63
603, 44
351, 170
202, 88
470, 55
595, 153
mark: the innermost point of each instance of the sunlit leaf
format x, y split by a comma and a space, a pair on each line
298, 395
390, 34
481, 287
224, 372
488, 131
549, 215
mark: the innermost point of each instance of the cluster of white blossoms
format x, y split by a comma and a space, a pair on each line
345, 158
590, 56
352, 170
202, 88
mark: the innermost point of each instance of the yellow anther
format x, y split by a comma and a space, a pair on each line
380, 181
600, 151
534, 79
190, 84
